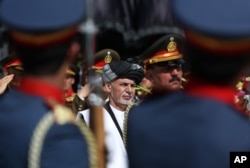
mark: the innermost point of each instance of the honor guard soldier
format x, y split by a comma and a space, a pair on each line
163, 63
199, 126
102, 58
37, 130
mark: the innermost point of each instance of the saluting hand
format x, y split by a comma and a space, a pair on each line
84, 91
4, 82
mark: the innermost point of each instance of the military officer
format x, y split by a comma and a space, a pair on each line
37, 130
102, 57
13, 72
199, 126
163, 62
69, 81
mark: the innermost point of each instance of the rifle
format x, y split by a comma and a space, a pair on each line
95, 97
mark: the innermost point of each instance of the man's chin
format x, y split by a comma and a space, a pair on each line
126, 102
175, 87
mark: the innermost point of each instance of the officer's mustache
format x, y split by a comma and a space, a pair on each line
174, 78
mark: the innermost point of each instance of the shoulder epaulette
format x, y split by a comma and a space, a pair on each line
70, 98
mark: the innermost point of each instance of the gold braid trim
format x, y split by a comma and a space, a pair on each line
125, 124
41, 131
37, 140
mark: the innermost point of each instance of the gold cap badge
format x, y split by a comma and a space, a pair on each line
172, 45
108, 58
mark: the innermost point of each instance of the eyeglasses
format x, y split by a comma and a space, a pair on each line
169, 66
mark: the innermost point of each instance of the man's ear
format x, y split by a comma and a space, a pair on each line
149, 75
73, 51
108, 87
73, 81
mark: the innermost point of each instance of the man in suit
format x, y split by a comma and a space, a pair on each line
200, 126
37, 130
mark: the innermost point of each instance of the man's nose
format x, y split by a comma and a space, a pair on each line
174, 71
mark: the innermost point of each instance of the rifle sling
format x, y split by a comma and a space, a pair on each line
111, 113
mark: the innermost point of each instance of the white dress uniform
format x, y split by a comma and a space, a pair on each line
116, 152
